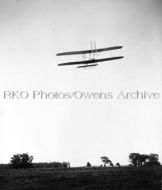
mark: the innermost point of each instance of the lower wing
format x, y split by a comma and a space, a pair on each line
90, 61
84, 66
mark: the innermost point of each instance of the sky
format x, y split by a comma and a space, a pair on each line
80, 130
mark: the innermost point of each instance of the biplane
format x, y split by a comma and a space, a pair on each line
90, 60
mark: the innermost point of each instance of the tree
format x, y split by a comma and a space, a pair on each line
153, 160
134, 158
88, 164
105, 160
21, 161
153, 157
118, 164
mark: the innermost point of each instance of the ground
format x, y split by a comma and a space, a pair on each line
96, 178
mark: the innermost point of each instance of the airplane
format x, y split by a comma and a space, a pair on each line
93, 52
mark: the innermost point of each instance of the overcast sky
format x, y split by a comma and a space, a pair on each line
32, 32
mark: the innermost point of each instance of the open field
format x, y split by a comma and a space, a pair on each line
96, 178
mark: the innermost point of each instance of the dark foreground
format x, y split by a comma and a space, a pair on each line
122, 178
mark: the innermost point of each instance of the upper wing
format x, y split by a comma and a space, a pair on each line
90, 61
89, 51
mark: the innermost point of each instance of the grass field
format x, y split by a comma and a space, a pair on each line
95, 178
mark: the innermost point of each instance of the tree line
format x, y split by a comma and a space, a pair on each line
138, 160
